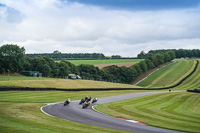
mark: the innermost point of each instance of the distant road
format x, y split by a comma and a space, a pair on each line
75, 113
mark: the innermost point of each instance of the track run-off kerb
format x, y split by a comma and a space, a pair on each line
96, 89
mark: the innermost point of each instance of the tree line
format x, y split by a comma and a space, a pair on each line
13, 59
180, 53
57, 55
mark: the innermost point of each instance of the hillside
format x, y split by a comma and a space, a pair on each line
169, 75
34, 82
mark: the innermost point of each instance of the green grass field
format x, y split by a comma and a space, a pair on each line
169, 75
38, 82
192, 82
20, 112
19, 77
178, 111
105, 61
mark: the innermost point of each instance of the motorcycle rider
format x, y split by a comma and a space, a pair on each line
67, 102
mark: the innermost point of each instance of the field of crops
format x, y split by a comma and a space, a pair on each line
105, 61
169, 75
178, 111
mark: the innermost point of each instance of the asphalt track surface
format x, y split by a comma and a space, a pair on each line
74, 112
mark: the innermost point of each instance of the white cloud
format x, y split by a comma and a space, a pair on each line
48, 25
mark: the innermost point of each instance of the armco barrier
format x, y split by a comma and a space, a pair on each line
195, 91
97, 89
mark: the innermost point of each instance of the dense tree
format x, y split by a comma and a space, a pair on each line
45, 70
28, 66
180, 53
143, 66
171, 54
72, 67
142, 55
150, 64
116, 57
160, 58
154, 59
58, 55
12, 58
63, 69
89, 72
167, 57
138, 69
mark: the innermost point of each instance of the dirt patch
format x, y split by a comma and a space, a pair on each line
128, 64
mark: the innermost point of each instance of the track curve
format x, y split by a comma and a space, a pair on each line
75, 113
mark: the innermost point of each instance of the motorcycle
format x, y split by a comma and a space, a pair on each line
82, 101
94, 100
89, 99
67, 102
85, 105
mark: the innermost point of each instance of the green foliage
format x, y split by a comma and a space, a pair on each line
180, 53
143, 66
116, 56
142, 55
57, 55
11, 58
90, 72
150, 64
62, 69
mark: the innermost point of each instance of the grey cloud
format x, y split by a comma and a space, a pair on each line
80, 28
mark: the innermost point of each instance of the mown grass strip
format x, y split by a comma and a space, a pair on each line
169, 75
26, 117
62, 84
192, 82
20, 112
161, 110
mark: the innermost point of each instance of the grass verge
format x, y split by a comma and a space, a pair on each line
20, 112
178, 111
192, 82
169, 75
37, 82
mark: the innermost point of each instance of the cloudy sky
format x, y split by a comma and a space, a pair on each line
111, 27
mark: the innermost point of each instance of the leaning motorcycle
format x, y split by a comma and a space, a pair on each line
67, 102
94, 100
82, 101
85, 105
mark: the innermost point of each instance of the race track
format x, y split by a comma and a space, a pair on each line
75, 113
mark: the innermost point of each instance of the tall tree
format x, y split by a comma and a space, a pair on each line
141, 55
12, 57
143, 66
57, 55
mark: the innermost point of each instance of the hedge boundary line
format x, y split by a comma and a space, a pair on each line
96, 89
